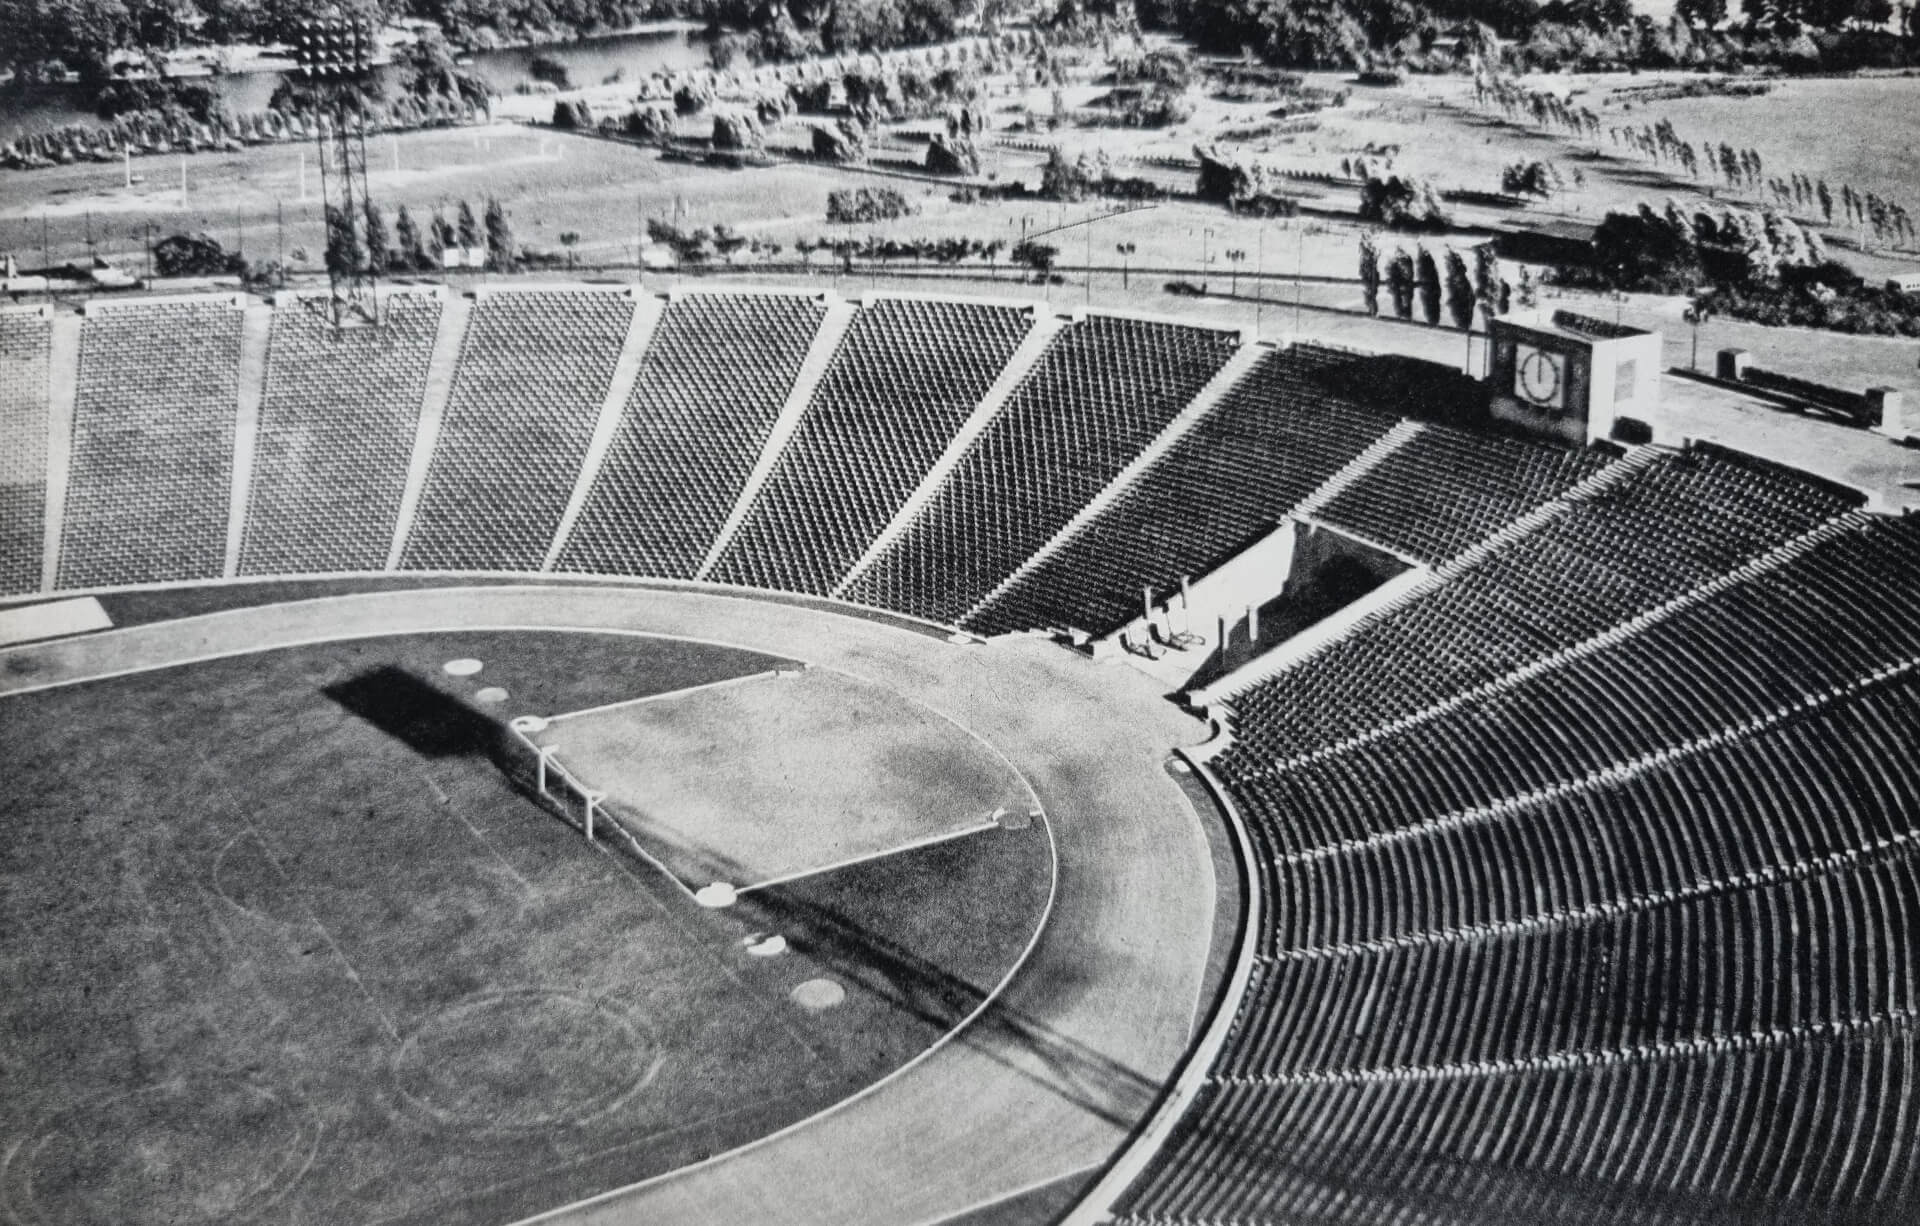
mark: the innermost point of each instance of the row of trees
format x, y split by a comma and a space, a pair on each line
1736, 169
1447, 284
411, 246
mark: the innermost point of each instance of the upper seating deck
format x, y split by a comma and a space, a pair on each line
26, 340
1275, 436
533, 372
337, 422
1448, 489
1681, 520
1099, 394
907, 374
154, 416
711, 385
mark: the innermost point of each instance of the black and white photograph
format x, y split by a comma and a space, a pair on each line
959, 613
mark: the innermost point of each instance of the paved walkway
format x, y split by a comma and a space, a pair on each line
1050, 1079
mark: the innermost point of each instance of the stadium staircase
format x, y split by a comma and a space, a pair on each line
257, 322
646, 317
448, 343
826, 343
1018, 368
1203, 403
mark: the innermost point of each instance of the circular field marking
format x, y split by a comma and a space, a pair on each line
817, 994
246, 877
465, 666
177, 1151
525, 1058
528, 723
492, 695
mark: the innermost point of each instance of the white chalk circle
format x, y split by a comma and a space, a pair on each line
719, 894
818, 994
492, 695
465, 666
767, 947
527, 723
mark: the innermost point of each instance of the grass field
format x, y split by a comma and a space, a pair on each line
297, 954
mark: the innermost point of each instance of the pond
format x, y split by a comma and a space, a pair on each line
589, 61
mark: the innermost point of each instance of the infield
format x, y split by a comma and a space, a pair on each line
781, 774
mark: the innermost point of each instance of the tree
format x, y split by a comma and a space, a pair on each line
1400, 283
1534, 178
343, 244
499, 238
1370, 271
378, 255
1701, 14
1460, 291
1699, 310
469, 226
1427, 281
1037, 256
197, 255
440, 236
406, 237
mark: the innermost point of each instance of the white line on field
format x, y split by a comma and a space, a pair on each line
945, 836
679, 693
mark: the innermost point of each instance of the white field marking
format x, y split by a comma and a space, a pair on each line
1035, 1186
988, 1001
434, 787
945, 836
481, 836
221, 785
763, 675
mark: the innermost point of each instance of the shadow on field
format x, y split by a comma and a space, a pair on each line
427, 720
1064, 1066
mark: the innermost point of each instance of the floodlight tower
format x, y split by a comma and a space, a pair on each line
333, 56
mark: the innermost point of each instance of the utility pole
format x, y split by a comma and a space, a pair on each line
1299, 269
1090, 221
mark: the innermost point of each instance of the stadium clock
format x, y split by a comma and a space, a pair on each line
1540, 377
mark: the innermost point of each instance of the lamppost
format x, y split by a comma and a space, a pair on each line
1234, 257
1206, 256
1126, 251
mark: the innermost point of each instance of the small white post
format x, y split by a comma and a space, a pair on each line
1253, 624
593, 798
183, 182
542, 784
1146, 602
1186, 591
126, 161
1226, 631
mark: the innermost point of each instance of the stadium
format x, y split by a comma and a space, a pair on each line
582, 754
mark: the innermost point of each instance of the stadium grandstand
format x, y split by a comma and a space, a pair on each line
1570, 790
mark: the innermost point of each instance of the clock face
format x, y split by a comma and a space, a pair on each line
1540, 377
